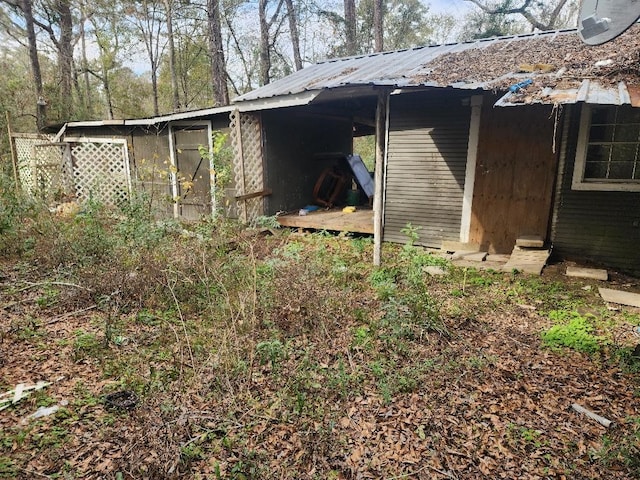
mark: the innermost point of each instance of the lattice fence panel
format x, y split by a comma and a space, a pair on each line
101, 171
25, 156
52, 171
246, 140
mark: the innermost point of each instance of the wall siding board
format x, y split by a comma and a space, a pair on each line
598, 227
427, 155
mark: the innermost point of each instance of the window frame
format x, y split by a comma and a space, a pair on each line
578, 182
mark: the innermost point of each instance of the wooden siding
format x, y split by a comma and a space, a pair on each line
150, 157
427, 155
591, 226
515, 174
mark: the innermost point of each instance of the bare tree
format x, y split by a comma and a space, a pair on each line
266, 38
57, 22
86, 96
216, 52
148, 20
175, 98
295, 36
18, 29
545, 19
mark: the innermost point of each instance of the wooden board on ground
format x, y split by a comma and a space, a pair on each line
530, 241
618, 296
528, 261
451, 246
592, 273
360, 221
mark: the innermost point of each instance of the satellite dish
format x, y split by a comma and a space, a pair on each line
600, 21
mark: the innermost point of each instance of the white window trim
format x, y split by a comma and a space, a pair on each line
578, 182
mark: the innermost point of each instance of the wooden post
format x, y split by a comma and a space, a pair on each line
240, 157
470, 172
14, 159
381, 133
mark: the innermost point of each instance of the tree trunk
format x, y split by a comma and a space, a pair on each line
218, 66
85, 63
350, 26
295, 37
154, 87
65, 57
27, 10
168, 7
106, 84
265, 51
378, 27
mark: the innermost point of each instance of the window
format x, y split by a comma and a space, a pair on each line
608, 153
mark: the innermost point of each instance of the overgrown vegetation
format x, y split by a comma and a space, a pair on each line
259, 354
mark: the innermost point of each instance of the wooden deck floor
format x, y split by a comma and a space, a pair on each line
360, 221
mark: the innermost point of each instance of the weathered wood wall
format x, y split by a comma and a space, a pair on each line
600, 227
296, 149
427, 154
515, 172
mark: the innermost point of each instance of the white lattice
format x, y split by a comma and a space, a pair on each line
86, 168
101, 171
246, 140
51, 170
25, 158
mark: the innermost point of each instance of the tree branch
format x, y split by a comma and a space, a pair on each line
501, 10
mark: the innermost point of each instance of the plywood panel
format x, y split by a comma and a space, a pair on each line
360, 221
515, 175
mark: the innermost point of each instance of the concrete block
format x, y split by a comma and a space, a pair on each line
618, 296
592, 273
476, 257
530, 241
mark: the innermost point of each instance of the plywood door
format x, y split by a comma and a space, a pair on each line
515, 174
194, 179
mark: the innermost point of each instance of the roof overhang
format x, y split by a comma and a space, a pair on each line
586, 91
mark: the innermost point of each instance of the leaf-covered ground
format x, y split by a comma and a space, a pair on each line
289, 356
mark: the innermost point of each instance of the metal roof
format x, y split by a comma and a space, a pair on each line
587, 91
414, 68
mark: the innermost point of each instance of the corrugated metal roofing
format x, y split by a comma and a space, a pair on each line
402, 68
414, 68
587, 91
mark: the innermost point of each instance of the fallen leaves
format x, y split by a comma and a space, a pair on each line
347, 397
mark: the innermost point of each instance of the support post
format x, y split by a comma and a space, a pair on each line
470, 172
240, 158
378, 195
14, 159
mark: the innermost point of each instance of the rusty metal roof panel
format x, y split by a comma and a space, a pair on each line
489, 64
402, 68
587, 91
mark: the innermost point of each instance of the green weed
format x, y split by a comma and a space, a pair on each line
624, 448
574, 331
411, 232
271, 351
85, 345
383, 281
